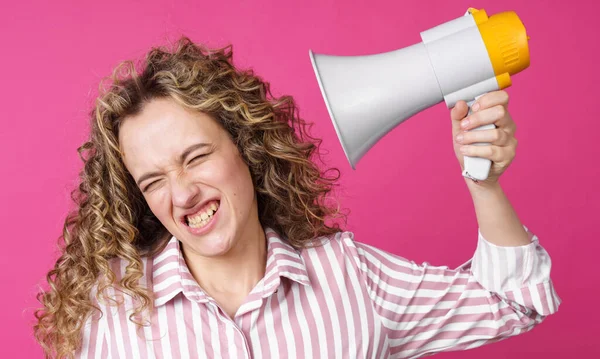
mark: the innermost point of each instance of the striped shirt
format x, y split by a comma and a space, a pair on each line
341, 299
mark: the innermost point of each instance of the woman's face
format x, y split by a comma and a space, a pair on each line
187, 167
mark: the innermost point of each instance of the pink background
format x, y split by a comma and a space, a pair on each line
406, 196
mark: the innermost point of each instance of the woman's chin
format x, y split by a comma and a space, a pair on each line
211, 246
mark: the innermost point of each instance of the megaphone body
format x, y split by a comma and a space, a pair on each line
368, 96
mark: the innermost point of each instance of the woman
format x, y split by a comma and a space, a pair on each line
202, 231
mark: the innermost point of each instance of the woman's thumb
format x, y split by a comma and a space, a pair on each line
459, 111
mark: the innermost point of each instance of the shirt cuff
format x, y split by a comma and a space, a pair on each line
520, 274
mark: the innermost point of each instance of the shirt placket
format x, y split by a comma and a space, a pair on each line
226, 321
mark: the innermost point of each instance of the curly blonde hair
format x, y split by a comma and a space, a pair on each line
112, 218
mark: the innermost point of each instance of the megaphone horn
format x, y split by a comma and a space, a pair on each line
367, 96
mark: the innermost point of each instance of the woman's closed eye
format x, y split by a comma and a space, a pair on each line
148, 186
191, 161
197, 157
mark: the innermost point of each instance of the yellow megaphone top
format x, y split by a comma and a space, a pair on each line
505, 39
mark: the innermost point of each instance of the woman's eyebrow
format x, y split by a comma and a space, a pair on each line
182, 158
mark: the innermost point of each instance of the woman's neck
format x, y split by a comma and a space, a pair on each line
234, 274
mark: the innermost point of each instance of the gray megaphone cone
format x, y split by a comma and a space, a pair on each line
367, 96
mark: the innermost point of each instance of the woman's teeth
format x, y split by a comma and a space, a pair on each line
202, 218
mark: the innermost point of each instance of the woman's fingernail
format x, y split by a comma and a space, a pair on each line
464, 123
459, 138
464, 149
475, 106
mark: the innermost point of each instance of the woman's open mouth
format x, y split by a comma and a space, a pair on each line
202, 217
200, 221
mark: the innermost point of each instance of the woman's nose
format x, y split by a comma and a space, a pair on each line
184, 192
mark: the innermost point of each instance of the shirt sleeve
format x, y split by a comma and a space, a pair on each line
500, 292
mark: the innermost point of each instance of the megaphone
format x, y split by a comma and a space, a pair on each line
367, 96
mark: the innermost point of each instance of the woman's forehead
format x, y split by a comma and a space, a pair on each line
166, 121
165, 131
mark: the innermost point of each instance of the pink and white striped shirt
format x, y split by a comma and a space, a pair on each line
343, 299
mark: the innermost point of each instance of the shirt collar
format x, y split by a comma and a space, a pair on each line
170, 274
283, 260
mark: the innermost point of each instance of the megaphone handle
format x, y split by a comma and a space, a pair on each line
477, 168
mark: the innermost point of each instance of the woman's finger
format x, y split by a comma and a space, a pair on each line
495, 136
492, 99
496, 115
501, 155
459, 111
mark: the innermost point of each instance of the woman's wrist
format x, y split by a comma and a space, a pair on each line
482, 188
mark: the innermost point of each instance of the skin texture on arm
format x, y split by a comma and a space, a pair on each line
497, 219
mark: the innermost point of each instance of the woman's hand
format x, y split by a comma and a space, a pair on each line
490, 108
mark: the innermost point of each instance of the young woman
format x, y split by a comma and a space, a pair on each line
203, 231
